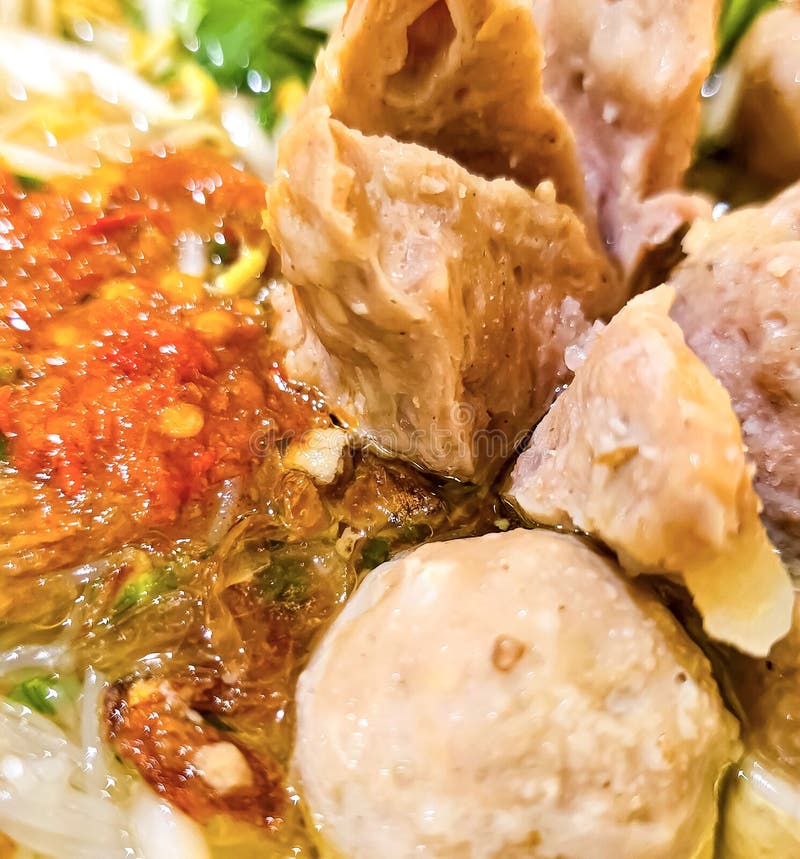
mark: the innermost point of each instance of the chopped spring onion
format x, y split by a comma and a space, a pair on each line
29, 183
374, 553
221, 252
45, 695
244, 273
285, 580
736, 18
146, 587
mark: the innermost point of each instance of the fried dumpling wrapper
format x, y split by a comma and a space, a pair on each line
644, 452
738, 303
627, 76
463, 77
444, 300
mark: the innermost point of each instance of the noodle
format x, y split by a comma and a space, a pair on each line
40, 806
23, 657
67, 800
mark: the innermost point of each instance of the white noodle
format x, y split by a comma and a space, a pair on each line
47, 657
229, 496
96, 775
162, 831
44, 15
36, 13
12, 13
54, 67
157, 15
61, 799
92, 570
41, 804
32, 162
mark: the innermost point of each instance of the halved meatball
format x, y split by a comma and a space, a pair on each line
644, 452
627, 76
738, 303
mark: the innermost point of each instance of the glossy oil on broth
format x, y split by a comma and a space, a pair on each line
148, 521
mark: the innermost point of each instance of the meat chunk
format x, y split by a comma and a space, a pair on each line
738, 303
627, 76
645, 452
463, 77
514, 697
766, 130
201, 771
445, 300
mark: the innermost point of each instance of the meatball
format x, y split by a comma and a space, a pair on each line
509, 695
627, 77
738, 303
644, 452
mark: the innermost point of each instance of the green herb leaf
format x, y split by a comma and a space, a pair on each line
221, 252
285, 580
374, 553
736, 18
29, 183
8, 374
3, 448
46, 695
253, 46
415, 533
146, 587
133, 13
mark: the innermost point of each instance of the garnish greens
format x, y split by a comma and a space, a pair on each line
146, 587
374, 553
45, 695
286, 579
28, 182
253, 46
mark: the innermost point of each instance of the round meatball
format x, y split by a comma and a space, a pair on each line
738, 303
509, 695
